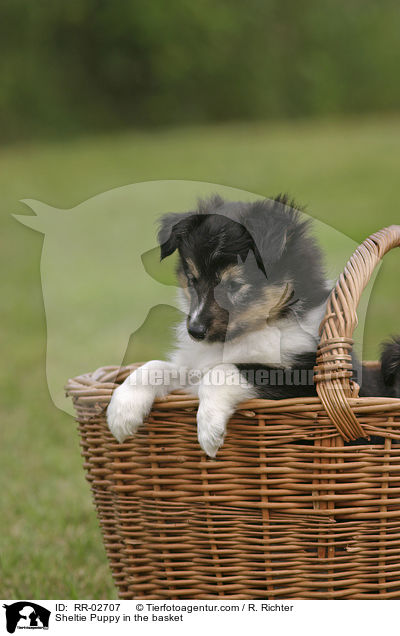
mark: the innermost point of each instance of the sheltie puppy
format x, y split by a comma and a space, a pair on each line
253, 288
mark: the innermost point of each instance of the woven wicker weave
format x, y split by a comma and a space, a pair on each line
287, 510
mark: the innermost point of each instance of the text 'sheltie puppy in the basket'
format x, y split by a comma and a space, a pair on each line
253, 288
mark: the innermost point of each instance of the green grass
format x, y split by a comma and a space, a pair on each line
347, 174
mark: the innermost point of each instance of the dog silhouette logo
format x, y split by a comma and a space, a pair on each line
26, 615
104, 288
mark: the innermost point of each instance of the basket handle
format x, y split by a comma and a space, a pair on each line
333, 368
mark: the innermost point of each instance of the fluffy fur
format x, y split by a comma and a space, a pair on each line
254, 292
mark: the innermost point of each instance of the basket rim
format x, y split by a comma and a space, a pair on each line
97, 386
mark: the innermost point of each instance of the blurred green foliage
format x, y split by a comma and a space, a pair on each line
83, 65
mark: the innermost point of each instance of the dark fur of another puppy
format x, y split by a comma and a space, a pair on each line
254, 292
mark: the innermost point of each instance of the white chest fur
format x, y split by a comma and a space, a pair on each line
274, 344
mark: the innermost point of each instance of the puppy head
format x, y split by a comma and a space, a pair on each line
232, 265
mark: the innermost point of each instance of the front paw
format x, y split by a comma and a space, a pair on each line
211, 427
128, 407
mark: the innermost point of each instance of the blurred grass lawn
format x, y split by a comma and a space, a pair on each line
347, 172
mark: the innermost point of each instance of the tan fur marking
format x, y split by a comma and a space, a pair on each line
267, 308
183, 283
232, 272
193, 269
219, 319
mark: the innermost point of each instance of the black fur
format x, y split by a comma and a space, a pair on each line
391, 366
377, 381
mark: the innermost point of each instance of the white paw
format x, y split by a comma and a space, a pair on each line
211, 427
128, 407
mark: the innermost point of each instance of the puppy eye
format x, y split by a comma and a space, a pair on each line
233, 286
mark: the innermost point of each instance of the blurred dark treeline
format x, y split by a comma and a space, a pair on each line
77, 66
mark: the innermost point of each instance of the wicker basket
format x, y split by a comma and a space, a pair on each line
287, 510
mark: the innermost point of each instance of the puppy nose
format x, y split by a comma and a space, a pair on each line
197, 330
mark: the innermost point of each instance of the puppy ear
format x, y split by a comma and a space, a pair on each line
271, 224
169, 233
173, 228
